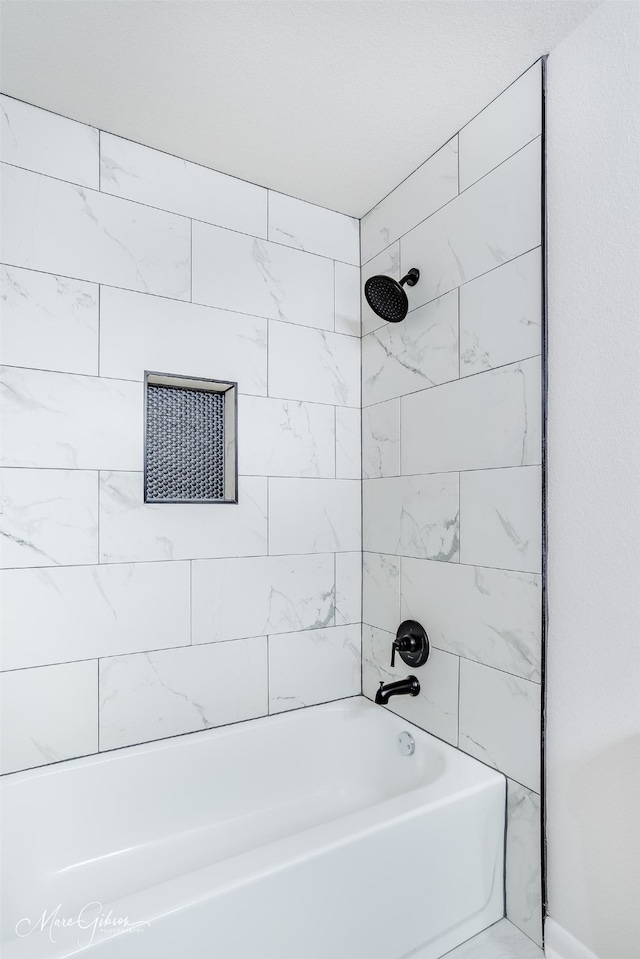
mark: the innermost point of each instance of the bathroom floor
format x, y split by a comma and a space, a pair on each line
501, 941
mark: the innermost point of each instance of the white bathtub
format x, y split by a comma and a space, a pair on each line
307, 835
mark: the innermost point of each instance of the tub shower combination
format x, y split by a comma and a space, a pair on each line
339, 830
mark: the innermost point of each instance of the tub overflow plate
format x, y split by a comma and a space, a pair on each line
406, 744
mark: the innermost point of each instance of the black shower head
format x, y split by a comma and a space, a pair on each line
386, 297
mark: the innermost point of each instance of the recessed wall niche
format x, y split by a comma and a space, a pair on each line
190, 440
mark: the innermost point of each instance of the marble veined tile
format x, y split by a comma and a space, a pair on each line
381, 591
500, 941
48, 517
501, 518
381, 439
420, 352
150, 696
435, 708
501, 315
492, 616
500, 721
65, 421
83, 612
523, 866
348, 588
507, 124
347, 299
348, 456
161, 180
412, 516
425, 190
314, 666
48, 715
285, 438
313, 229
134, 531
237, 272
258, 595
139, 332
314, 516
44, 142
479, 422
494, 221
386, 263
61, 228
48, 322
313, 365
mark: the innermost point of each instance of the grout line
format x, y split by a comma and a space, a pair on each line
175, 156
462, 379
99, 162
457, 196
98, 705
178, 300
183, 216
459, 345
191, 643
457, 133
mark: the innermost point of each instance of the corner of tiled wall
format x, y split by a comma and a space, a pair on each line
124, 622
452, 455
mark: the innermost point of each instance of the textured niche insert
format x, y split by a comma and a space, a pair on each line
190, 440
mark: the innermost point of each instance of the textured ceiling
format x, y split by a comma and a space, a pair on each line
333, 101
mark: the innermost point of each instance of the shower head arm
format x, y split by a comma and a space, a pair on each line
411, 278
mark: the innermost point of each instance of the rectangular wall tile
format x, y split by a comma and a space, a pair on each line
48, 715
134, 531
507, 124
347, 299
489, 615
315, 666
381, 440
313, 365
388, 264
240, 273
413, 355
83, 612
48, 517
436, 707
158, 179
238, 598
500, 721
60, 420
348, 588
313, 229
48, 322
480, 422
348, 456
412, 516
314, 516
285, 438
381, 591
154, 695
47, 143
139, 333
60, 228
523, 870
501, 315
428, 188
500, 518
494, 221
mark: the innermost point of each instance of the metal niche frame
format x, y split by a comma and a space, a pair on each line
219, 427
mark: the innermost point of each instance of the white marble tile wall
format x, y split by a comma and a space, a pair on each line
451, 454
117, 259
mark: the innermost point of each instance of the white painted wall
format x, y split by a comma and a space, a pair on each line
593, 788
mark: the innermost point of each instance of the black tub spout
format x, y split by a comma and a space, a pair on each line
403, 687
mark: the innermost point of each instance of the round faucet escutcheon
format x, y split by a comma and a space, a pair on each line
411, 643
